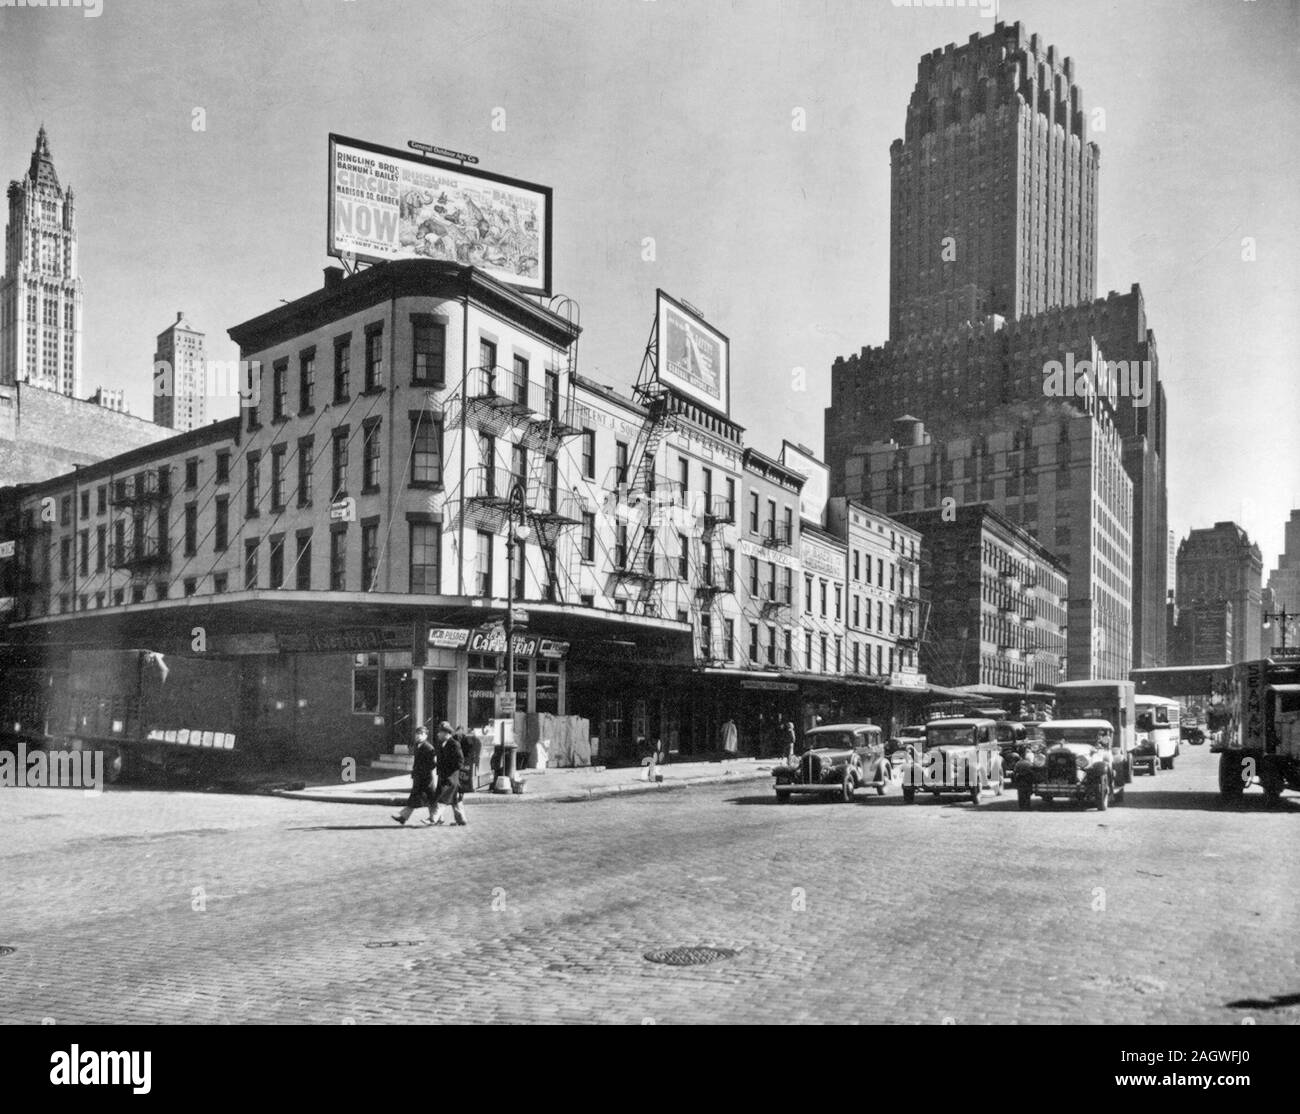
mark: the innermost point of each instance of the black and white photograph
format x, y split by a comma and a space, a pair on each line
804, 493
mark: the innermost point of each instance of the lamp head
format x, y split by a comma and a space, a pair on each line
523, 531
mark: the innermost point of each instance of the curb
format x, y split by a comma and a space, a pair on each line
596, 792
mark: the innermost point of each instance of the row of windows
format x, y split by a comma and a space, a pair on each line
287, 565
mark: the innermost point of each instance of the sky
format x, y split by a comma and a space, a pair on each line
673, 121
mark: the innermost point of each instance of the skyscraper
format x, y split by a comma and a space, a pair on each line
1285, 579
993, 187
1220, 565
992, 274
40, 295
179, 377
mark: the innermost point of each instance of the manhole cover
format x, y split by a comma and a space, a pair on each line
5, 949
689, 957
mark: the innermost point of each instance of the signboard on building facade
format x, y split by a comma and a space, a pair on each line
822, 559
353, 640
493, 641
817, 481
764, 553
385, 204
694, 358
6, 549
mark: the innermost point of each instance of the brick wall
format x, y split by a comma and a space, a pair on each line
43, 434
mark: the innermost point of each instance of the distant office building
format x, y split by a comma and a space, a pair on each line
179, 377
110, 399
1284, 581
1202, 634
40, 294
1217, 565
997, 602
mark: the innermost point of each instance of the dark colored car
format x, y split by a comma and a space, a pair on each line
839, 759
1015, 741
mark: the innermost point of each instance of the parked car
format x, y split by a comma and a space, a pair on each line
959, 755
838, 758
1082, 759
1193, 734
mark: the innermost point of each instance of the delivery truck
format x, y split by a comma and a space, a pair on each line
1254, 725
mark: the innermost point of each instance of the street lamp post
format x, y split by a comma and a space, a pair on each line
516, 509
1282, 617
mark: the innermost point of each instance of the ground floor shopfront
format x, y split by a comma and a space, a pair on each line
347, 678
636, 708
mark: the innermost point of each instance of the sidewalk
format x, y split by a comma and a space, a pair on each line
581, 783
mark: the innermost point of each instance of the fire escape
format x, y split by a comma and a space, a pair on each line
635, 566
501, 411
146, 497
717, 575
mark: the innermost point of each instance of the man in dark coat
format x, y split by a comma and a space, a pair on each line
451, 757
421, 777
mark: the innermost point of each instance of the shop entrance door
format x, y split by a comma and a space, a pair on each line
437, 705
398, 689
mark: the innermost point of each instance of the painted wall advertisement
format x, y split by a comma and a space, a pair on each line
386, 205
822, 559
694, 358
817, 481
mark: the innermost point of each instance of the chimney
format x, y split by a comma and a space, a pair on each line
180, 316
333, 276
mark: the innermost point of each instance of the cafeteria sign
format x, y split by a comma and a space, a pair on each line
493, 641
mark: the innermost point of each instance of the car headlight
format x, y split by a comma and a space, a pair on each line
1081, 762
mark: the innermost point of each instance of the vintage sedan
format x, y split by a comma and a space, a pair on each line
1082, 760
958, 755
839, 759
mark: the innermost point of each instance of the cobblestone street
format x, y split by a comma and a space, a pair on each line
141, 906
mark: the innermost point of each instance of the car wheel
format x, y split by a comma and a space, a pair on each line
783, 796
846, 788
1103, 794
1170, 760
1024, 797
1231, 786
975, 791
1272, 780
909, 794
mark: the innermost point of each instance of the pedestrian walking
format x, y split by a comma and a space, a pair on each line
421, 777
730, 737
787, 738
451, 758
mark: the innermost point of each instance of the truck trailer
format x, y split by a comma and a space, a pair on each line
142, 709
1254, 724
